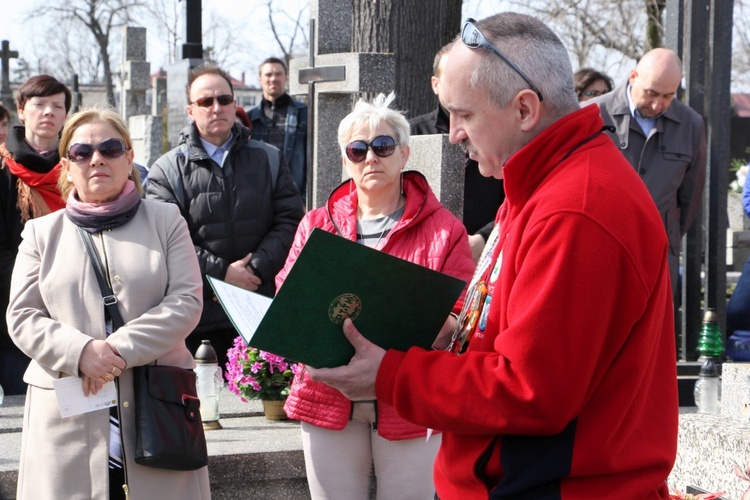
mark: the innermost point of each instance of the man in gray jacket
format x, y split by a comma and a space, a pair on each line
237, 195
663, 139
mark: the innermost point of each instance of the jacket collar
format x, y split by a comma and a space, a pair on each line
442, 120
619, 110
341, 206
530, 166
190, 136
24, 154
282, 101
620, 104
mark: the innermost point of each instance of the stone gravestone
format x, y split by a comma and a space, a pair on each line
442, 163
158, 96
709, 446
177, 117
145, 128
336, 73
6, 94
177, 73
135, 70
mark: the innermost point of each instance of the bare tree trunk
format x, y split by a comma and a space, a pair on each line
655, 26
103, 42
413, 30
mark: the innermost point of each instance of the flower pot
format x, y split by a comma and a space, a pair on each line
274, 410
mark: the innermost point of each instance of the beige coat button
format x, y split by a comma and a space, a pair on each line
125, 404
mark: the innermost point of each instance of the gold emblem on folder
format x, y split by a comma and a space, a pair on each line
344, 306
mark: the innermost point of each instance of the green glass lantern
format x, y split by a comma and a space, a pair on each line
710, 341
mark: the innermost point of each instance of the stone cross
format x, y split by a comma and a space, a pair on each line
135, 70
145, 128
334, 73
330, 77
6, 94
177, 73
193, 46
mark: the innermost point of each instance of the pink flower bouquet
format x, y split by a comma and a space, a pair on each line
256, 374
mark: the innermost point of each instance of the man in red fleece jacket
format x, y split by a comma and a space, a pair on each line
561, 383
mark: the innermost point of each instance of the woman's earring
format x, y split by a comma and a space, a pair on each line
69, 178
402, 182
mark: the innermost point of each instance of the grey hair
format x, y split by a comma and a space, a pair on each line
373, 114
537, 51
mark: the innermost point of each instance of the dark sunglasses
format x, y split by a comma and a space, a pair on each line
110, 148
207, 102
474, 39
382, 145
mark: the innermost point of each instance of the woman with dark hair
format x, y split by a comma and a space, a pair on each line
590, 83
4, 122
29, 169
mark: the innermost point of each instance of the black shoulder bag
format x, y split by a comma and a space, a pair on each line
168, 427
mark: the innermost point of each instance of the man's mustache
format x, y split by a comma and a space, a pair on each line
467, 147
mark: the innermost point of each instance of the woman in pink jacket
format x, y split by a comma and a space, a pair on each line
396, 212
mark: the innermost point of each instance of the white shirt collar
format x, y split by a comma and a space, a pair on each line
646, 124
217, 153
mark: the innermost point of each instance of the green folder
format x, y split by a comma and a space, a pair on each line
394, 303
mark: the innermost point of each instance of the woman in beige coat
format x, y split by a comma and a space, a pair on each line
57, 317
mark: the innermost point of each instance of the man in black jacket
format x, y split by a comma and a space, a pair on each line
237, 195
482, 195
280, 120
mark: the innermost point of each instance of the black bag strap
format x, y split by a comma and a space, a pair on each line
110, 301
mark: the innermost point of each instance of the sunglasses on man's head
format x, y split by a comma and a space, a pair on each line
110, 148
382, 145
207, 102
474, 39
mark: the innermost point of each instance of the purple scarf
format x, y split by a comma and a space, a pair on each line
96, 217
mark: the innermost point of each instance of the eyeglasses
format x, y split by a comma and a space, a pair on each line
592, 93
382, 145
110, 148
474, 39
207, 102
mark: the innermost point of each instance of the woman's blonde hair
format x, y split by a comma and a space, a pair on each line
100, 113
374, 114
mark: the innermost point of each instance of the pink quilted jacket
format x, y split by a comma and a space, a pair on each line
428, 235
